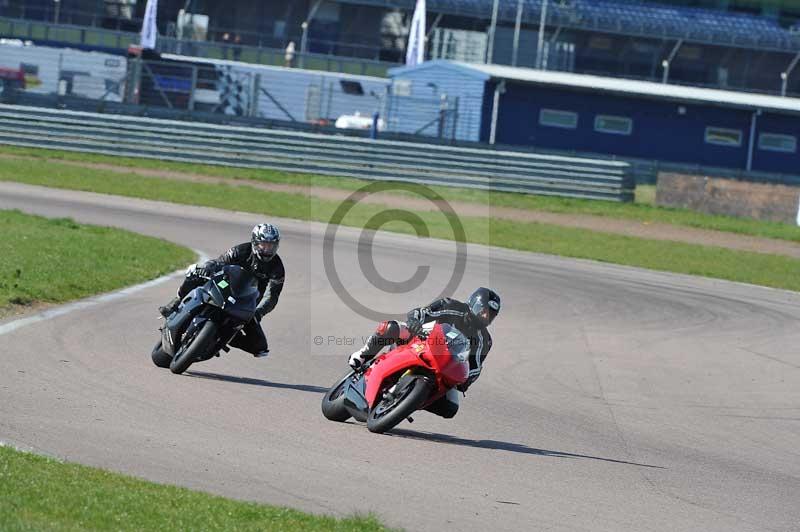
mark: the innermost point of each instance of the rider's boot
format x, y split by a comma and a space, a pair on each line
170, 307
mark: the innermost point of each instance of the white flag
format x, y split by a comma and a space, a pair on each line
415, 52
149, 29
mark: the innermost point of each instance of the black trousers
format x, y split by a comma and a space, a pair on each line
251, 338
447, 406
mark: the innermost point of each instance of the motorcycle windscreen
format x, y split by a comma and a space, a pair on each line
243, 290
244, 308
242, 282
451, 349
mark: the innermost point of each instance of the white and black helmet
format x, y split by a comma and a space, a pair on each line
484, 304
265, 241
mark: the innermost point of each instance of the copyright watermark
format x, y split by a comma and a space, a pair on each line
366, 242
338, 341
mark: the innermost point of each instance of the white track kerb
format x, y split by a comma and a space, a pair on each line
91, 301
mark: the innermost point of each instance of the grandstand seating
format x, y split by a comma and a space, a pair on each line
632, 17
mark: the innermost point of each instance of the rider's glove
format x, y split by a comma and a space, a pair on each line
414, 327
198, 270
356, 360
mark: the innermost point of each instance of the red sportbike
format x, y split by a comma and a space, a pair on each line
408, 378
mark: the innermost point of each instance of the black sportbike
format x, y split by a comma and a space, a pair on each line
208, 318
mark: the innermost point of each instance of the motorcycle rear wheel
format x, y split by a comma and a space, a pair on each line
198, 347
333, 401
388, 413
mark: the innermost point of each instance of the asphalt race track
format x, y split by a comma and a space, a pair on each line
615, 399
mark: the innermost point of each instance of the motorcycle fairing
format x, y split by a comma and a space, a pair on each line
233, 291
354, 400
451, 369
402, 358
178, 322
431, 356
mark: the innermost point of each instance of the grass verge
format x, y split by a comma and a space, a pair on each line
38, 493
46, 260
643, 210
767, 270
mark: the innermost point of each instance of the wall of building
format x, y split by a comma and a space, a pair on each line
663, 130
306, 95
426, 86
773, 161
87, 74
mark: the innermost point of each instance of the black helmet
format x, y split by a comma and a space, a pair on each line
484, 304
265, 241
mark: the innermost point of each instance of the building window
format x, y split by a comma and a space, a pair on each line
401, 87
599, 42
618, 125
563, 119
724, 137
776, 142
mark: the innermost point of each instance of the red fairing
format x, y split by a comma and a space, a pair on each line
400, 359
432, 356
449, 370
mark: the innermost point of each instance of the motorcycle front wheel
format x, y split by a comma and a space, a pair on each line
333, 401
197, 348
160, 358
393, 409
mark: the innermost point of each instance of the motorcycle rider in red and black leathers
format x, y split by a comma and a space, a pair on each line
259, 257
471, 318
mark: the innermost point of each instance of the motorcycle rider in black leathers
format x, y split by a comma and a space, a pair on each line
471, 318
259, 256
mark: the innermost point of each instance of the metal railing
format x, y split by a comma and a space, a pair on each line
100, 38
125, 21
318, 154
624, 17
202, 87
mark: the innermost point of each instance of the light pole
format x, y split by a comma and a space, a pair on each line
304, 26
492, 32
517, 28
303, 43
668, 61
498, 90
57, 13
540, 45
788, 72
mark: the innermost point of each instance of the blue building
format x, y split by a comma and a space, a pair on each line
627, 118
